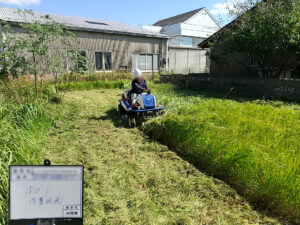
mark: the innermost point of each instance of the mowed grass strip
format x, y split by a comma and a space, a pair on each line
254, 147
130, 179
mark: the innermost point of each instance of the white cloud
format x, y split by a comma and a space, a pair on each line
20, 2
219, 9
226, 7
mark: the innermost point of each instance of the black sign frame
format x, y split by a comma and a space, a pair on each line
58, 221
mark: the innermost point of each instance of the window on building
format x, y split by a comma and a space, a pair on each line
186, 41
145, 61
103, 60
107, 60
197, 41
99, 60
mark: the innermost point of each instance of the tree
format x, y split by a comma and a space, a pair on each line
37, 51
267, 31
44, 39
13, 62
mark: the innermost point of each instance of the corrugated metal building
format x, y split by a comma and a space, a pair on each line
109, 45
185, 31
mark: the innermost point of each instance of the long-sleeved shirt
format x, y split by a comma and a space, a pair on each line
139, 87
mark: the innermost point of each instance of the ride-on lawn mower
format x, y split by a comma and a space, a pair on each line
144, 109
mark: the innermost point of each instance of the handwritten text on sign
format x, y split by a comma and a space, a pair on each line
45, 192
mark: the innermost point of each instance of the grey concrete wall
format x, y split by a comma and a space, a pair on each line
247, 87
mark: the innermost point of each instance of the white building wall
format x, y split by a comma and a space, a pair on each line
184, 56
201, 25
197, 30
188, 60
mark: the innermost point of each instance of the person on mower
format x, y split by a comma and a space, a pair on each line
139, 86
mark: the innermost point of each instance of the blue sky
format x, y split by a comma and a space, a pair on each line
134, 12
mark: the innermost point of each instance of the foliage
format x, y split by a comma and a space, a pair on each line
104, 76
254, 147
90, 85
22, 127
38, 51
21, 90
270, 28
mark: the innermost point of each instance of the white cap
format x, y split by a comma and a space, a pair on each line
137, 73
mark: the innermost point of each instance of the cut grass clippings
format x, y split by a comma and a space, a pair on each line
130, 179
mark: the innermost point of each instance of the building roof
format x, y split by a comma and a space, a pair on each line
177, 19
77, 23
205, 43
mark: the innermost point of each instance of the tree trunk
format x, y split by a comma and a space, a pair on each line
35, 76
56, 83
41, 85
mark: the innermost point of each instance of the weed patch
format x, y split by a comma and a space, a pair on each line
22, 128
91, 85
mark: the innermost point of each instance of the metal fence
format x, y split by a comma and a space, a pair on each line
284, 89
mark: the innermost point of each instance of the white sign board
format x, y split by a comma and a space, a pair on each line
46, 192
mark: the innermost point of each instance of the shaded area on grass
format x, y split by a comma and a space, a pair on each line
113, 116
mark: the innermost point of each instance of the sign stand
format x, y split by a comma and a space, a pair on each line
47, 162
46, 222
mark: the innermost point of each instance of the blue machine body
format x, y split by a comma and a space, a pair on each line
149, 104
144, 109
149, 101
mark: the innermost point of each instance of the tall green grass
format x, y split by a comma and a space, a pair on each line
91, 85
254, 147
21, 129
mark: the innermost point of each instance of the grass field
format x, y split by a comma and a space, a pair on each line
130, 179
22, 128
254, 146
